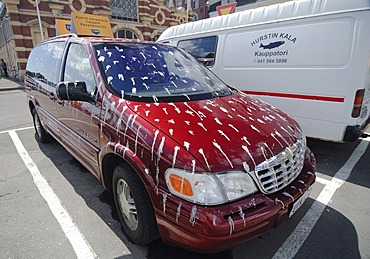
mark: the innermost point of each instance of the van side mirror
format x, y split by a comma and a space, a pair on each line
73, 91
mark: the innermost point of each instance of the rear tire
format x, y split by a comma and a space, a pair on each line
133, 205
41, 135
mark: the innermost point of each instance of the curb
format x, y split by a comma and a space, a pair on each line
11, 88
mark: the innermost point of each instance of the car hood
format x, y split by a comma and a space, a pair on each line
228, 133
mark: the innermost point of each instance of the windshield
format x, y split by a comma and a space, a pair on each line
156, 73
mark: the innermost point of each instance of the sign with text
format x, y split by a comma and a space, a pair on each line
90, 25
62, 27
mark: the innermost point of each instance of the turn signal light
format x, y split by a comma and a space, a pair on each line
181, 185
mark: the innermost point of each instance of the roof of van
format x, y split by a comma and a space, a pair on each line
277, 12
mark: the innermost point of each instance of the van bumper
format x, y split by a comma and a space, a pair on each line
352, 133
220, 228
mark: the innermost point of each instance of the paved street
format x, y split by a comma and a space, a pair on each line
332, 223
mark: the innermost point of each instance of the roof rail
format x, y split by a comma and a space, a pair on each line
74, 35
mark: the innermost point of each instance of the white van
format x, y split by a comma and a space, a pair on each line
310, 58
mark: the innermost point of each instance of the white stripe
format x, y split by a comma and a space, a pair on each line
296, 239
7, 131
75, 237
323, 181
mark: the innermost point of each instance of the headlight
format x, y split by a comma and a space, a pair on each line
209, 189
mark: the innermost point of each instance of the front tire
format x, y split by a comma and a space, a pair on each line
41, 135
134, 207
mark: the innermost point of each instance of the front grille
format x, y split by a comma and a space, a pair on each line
277, 172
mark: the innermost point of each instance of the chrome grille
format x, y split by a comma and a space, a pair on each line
277, 172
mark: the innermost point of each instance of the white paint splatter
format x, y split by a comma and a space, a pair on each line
171, 121
201, 125
154, 140
214, 218
232, 126
207, 108
192, 166
224, 110
160, 148
178, 212
187, 145
242, 215
137, 136
288, 195
176, 149
254, 128
220, 149
279, 201
193, 215
165, 110
231, 223
249, 154
171, 132
164, 203
223, 134
246, 167
205, 159
175, 107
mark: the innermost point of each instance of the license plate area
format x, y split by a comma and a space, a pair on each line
298, 203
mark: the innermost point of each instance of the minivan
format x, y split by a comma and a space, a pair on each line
188, 159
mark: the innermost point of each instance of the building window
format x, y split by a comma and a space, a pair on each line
204, 49
124, 9
178, 4
196, 4
126, 34
195, 17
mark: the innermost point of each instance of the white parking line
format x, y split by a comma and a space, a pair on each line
296, 239
75, 237
7, 131
322, 180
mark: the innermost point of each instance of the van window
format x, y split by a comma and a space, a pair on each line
42, 58
78, 67
204, 49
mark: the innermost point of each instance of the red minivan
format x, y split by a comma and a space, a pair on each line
188, 159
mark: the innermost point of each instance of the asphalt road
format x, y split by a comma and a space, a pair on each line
332, 223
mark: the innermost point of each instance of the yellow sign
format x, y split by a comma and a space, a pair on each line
90, 25
62, 27
226, 8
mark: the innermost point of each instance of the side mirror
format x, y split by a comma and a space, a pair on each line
73, 91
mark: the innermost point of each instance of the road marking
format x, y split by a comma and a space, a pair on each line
75, 237
296, 239
7, 131
321, 180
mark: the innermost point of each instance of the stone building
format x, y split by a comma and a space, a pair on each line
139, 19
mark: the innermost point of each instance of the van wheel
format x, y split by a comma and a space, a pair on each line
133, 205
41, 134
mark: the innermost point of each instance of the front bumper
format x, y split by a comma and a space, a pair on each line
218, 228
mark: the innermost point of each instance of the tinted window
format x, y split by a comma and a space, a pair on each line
204, 49
44, 62
157, 73
78, 67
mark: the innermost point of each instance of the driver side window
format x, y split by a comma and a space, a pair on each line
77, 67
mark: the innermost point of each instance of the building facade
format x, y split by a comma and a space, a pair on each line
134, 19
241, 4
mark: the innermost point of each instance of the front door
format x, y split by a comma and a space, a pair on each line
80, 120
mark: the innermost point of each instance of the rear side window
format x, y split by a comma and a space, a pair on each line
44, 62
204, 49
